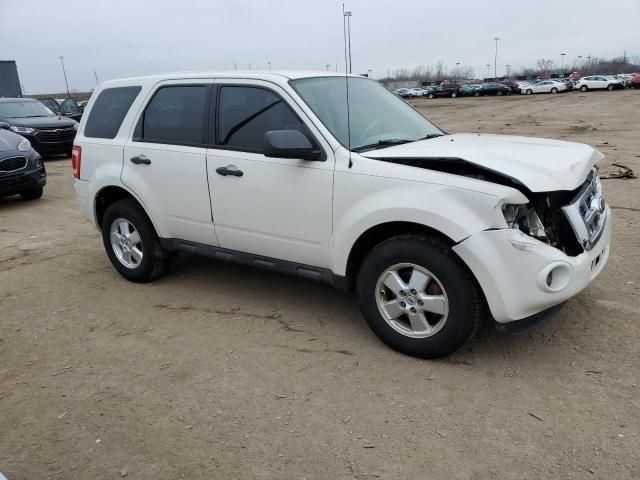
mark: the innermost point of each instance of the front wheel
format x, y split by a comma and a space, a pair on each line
432, 96
529, 91
499, 93
554, 90
131, 242
584, 88
417, 297
454, 95
610, 87
476, 94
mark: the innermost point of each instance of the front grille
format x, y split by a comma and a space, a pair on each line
13, 164
587, 212
56, 135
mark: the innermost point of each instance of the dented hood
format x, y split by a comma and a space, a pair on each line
539, 164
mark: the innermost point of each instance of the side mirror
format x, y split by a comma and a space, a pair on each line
289, 144
4, 125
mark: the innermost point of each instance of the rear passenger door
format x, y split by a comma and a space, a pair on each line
165, 160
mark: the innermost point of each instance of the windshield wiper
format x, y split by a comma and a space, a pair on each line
382, 144
431, 135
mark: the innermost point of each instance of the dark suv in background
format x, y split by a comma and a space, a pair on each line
445, 90
47, 132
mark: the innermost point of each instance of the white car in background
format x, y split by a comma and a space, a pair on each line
545, 86
417, 92
598, 82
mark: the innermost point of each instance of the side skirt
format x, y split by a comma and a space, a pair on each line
265, 263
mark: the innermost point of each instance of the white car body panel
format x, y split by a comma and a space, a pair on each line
541, 165
545, 87
312, 213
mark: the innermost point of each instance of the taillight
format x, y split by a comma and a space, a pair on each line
76, 158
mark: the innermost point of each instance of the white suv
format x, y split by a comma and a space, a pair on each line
599, 82
277, 170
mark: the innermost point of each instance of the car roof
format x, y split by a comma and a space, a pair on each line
275, 76
13, 99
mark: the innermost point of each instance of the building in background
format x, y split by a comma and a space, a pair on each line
9, 80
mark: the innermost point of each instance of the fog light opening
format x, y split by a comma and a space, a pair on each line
555, 277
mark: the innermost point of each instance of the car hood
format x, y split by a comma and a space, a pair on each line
42, 122
539, 164
9, 141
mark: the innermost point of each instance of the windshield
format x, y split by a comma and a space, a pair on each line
377, 116
22, 109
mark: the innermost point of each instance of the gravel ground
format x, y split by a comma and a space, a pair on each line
219, 371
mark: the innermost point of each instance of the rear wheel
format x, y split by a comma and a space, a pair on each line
584, 88
32, 193
610, 87
417, 297
131, 242
499, 93
554, 90
529, 91
454, 95
431, 95
476, 94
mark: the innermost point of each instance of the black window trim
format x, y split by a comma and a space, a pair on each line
139, 124
214, 143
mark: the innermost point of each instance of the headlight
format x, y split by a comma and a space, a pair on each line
24, 145
524, 218
22, 130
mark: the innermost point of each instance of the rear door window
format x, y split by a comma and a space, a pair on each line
175, 115
109, 110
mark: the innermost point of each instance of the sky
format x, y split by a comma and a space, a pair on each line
116, 38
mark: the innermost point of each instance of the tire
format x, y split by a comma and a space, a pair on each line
454, 95
584, 88
432, 96
451, 285
32, 194
529, 91
476, 94
155, 259
499, 93
554, 90
610, 87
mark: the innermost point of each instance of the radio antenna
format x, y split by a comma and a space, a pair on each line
346, 81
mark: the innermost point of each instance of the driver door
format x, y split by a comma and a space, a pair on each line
274, 207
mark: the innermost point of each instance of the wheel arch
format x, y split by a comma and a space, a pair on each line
110, 194
378, 234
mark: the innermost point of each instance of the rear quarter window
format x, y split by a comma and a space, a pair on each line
109, 110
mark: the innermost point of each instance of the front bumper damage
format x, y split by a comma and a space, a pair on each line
521, 276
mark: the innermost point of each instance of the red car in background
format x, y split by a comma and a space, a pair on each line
635, 82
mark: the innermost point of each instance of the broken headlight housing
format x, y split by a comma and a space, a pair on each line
524, 218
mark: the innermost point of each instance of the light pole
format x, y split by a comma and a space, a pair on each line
488, 70
562, 62
348, 14
64, 72
495, 61
269, 63
508, 70
457, 69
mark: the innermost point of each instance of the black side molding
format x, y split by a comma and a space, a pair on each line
265, 263
529, 324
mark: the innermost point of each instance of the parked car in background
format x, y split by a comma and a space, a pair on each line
445, 90
598, 82
492, 88
470, 89
47, 132
515, 88
546, 86
21, 169
67, 108
417, 92
82, 104
403, 92
635, 81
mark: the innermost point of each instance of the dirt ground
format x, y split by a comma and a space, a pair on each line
223, 372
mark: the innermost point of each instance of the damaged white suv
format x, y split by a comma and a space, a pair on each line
335, 178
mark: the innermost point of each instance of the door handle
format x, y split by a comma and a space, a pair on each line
229, 170
140, 160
